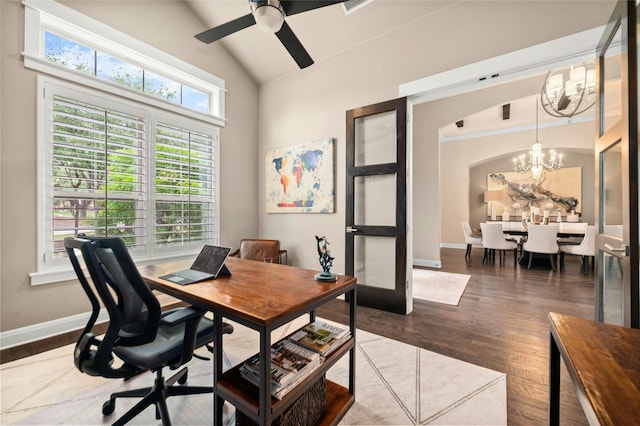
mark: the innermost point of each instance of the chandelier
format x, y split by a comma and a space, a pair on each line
536, 161
568, 92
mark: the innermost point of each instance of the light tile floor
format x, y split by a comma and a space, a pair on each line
396, 384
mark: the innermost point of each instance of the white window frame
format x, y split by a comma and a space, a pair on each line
52, 269
47, 15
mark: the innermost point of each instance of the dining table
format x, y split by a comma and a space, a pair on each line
565, 229
568, 233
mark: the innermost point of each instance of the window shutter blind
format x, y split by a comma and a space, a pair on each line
185, 185
98, 167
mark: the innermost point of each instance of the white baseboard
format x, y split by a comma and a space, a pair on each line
454, 246
427, 263
33, 333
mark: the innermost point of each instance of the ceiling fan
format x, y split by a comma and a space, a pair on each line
270, 15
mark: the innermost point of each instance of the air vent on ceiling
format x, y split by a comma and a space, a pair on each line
352, 5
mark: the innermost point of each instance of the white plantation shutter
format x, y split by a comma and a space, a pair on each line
98, 167
185, 185
112, 167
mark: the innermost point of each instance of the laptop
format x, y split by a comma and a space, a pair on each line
208, 265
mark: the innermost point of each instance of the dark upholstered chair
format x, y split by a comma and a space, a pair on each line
261, 250
142, 336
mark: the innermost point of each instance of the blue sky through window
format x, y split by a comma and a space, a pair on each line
109, 68
71, 55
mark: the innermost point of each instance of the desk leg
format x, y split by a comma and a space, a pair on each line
264, 399
352, 352
218, 402
554, 382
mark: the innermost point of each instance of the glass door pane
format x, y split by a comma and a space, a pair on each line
375, 139
371, 260
373, 196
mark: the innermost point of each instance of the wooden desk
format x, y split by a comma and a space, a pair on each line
604, 364
264, 296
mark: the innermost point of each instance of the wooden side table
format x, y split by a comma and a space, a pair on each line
603, 361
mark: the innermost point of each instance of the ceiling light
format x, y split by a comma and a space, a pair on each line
269, 15
536, 161
568, 92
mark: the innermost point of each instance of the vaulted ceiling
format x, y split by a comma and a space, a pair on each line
324, 32
330, 32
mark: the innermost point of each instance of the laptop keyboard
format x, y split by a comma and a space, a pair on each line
192, 274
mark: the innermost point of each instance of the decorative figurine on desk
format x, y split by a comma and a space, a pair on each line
326, 261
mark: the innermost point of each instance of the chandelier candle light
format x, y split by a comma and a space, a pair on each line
536, 161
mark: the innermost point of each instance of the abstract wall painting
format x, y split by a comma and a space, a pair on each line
300, 178
562, 188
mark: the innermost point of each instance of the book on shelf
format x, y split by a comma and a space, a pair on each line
289, 362
320, 337
278, 391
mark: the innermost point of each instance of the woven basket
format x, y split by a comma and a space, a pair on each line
307, 410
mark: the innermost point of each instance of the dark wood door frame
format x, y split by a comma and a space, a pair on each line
386, 299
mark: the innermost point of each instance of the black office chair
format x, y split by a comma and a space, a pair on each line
139, 333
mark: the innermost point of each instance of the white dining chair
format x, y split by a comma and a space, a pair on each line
578, 230
493, 239
586, 249
469, 238
542, 239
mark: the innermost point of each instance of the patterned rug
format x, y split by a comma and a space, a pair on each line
439, 287
412, 387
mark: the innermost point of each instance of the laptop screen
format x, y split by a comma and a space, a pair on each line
211, 259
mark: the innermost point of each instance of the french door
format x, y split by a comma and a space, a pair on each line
376, 204
617, 289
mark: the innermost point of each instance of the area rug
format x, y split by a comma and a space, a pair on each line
439, 287
411, 387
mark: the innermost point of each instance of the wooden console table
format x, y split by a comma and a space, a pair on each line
603, 361
264, 296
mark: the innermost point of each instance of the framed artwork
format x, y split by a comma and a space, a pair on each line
562, 188
300, 178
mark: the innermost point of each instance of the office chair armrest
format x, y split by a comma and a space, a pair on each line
179, 315
235, 253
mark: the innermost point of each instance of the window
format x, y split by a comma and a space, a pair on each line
116, 168
80, 58
184, 185
62, 42
129, 148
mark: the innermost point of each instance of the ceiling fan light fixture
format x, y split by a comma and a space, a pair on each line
269, 15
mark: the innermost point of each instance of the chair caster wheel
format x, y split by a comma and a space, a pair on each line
108, 407
182, 380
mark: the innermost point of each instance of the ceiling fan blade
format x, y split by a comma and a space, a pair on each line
293, 46
291, 7
216, 33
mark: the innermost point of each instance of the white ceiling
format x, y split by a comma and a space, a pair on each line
329, 31
522, 117
324, 32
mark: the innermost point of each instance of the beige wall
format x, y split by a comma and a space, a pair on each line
168, 25
459, 156
456, 157
311, 104
584, 158
306, 105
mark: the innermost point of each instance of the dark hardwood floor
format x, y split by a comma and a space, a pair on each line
501, 323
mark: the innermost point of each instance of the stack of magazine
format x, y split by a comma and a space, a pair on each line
320, 337
294, 358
